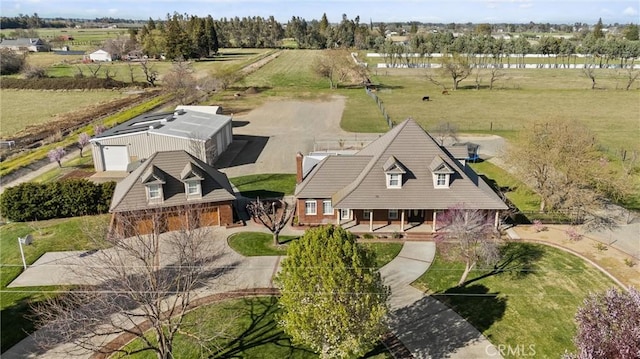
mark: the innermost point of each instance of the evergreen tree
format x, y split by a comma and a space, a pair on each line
333, 299
597, 30
212, 36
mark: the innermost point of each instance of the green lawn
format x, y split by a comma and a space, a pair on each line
253, 333
261, 244
51, 235
516, 191
265, 185
532, 302
258, 244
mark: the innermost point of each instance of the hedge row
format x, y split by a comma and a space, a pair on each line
68, 198
64, 83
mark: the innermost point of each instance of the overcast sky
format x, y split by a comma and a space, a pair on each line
439, 11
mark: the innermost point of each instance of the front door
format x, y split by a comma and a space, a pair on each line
415, 216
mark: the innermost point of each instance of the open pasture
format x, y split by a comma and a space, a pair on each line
520, 99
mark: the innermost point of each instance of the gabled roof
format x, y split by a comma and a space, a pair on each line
438, 166
393, 166
153, 175
191, 171
364, 186
21, 41
130, 193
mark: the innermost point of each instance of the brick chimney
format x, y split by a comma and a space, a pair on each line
299, 174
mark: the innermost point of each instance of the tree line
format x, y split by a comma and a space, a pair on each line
189, 36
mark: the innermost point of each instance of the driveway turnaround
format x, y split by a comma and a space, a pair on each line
426, 327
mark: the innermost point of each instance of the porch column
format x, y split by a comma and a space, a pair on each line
435, 215
496, 222
402, 221
338, 218
371, 221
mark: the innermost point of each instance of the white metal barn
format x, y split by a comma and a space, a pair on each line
100, 55
203, 134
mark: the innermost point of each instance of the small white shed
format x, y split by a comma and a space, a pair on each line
100, 55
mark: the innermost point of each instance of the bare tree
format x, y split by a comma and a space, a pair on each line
631, 76
94, 70
431, 77
444, 130
589, 70
131, 69
336, 66
79, 72
273, 214
456, 67
110, 73
142, 287
470, 236
562, 163
495, 74
151, 75
181, 82
83, 140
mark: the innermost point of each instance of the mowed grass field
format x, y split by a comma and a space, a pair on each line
23, 108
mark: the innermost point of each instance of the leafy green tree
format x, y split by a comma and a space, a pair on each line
332, 298
631, 32
212, 36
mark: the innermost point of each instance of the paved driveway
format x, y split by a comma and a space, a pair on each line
267, 139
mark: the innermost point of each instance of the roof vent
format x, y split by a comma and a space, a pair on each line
179, 112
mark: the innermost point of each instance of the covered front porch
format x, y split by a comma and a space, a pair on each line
388, 229
395, 220
388, 220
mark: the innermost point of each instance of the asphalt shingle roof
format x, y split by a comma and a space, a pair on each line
359, 181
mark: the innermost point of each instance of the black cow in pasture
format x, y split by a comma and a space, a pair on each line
426, 98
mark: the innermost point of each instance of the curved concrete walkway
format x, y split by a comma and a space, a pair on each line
426, 327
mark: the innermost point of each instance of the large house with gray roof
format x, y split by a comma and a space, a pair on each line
171, 190
403, 178
25, 44
200, 130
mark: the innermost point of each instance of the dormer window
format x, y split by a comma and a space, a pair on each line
393, 170
154, 192
192, 188
192, 176
394, 180
441, 172
153, 179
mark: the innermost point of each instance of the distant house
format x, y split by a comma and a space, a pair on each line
25, 44
403, 178
199, 130
170, 191
100, 56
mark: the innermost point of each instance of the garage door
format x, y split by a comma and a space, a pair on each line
116, 158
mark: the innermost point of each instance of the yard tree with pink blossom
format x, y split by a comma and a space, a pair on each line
608, 326
56, 155
83, 140
469, 235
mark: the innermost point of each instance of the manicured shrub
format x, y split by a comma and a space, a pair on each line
68, 198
